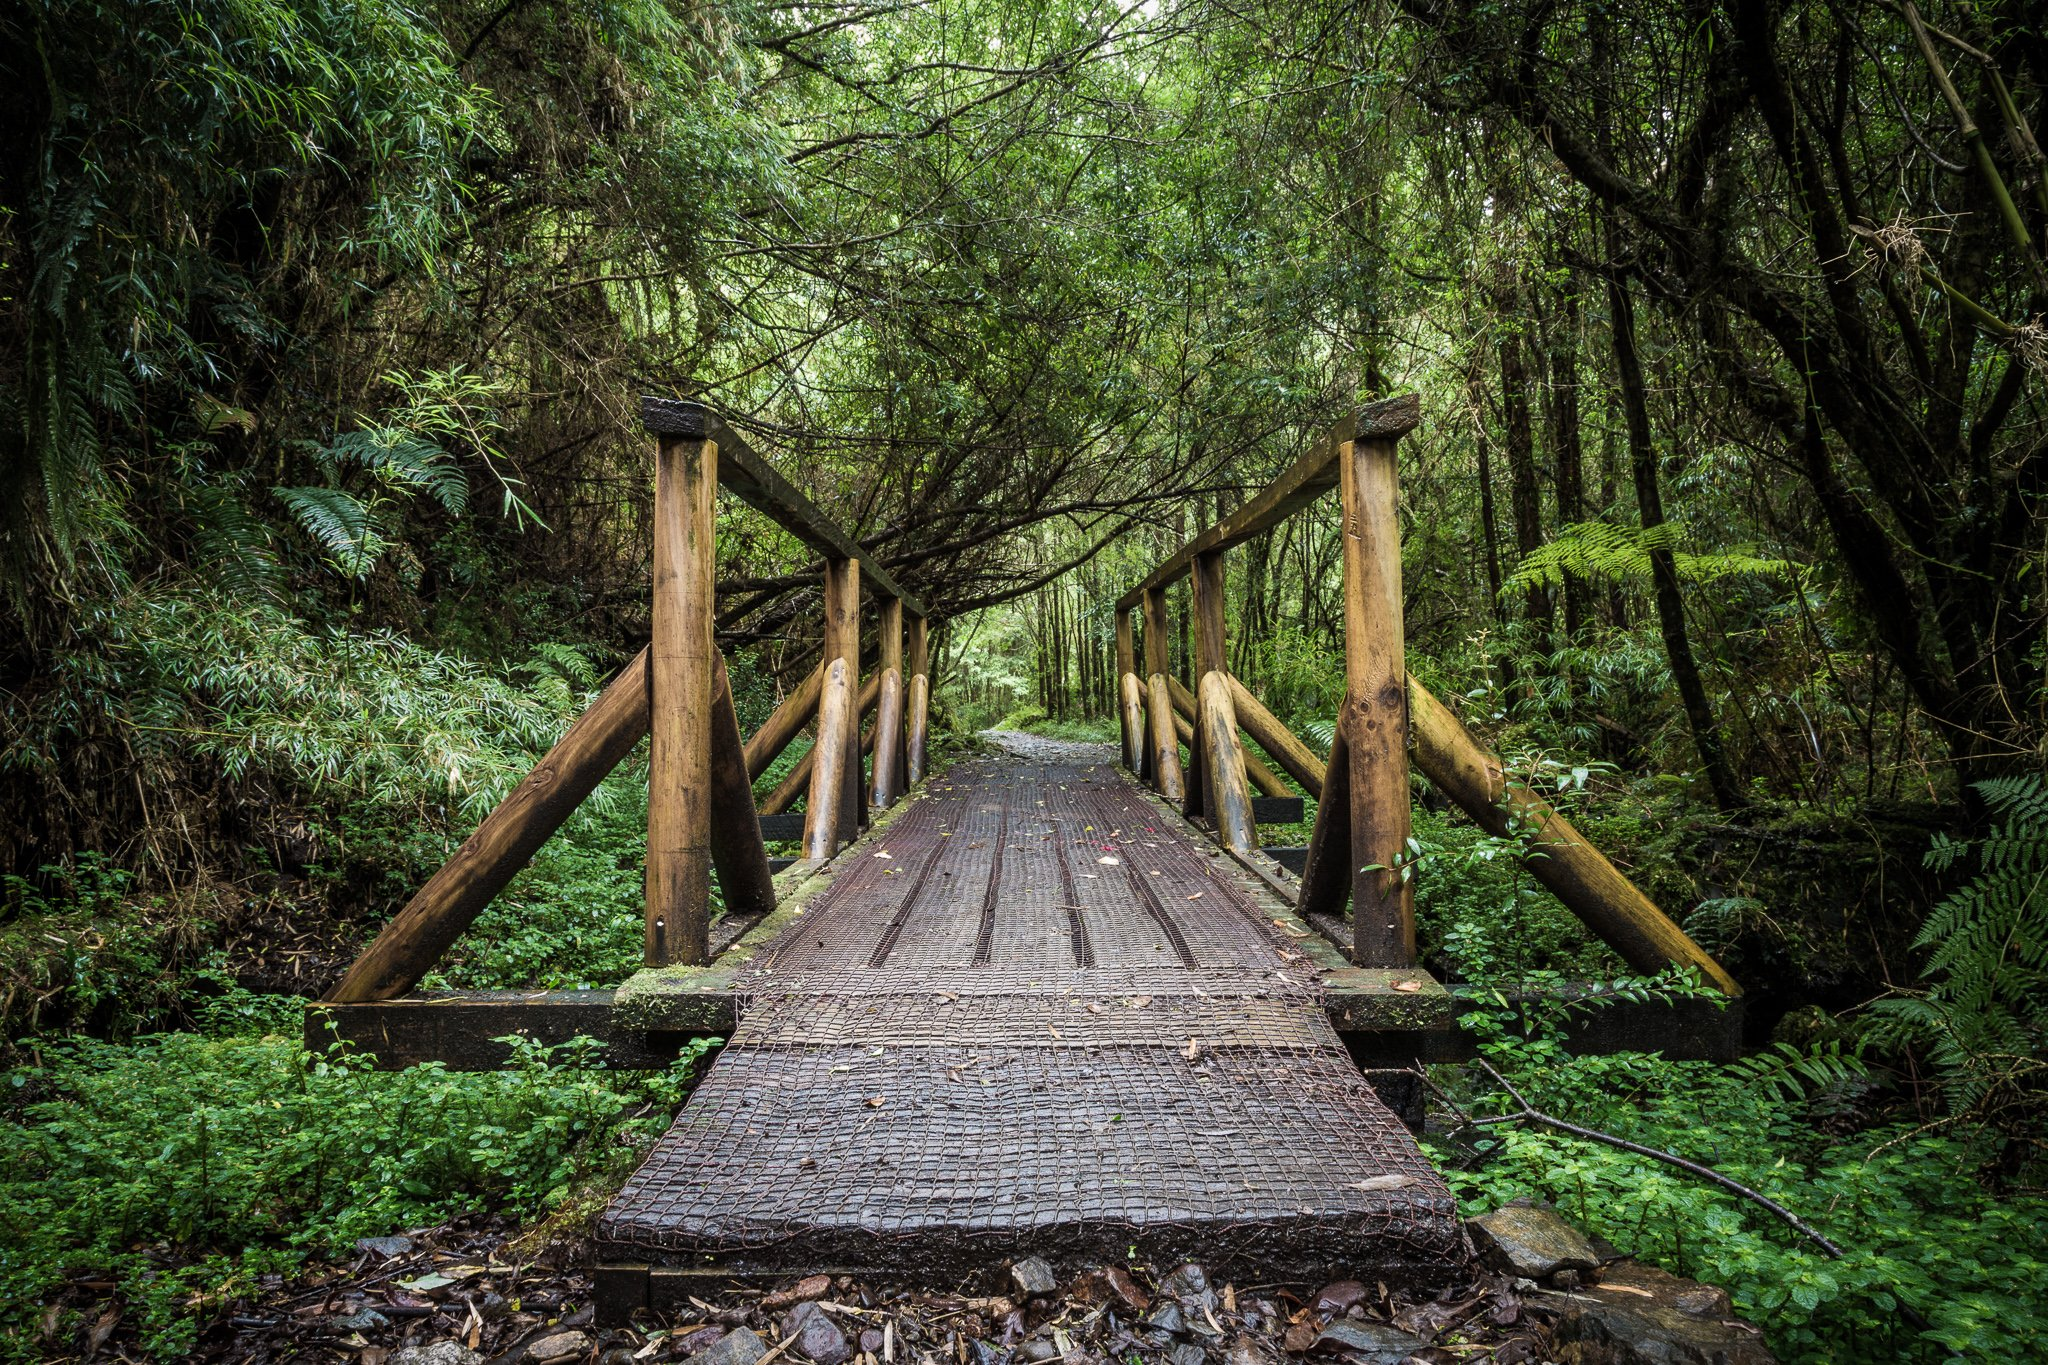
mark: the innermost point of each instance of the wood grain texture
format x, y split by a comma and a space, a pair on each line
1230, 794
682, 655
797, 782
917, 717
822, 816
887, 784
1127, 668
1276, 739
1374, 718
414, 940
1131, 712
1326, 872
842, 641
787, 721
737, 853
1262, 777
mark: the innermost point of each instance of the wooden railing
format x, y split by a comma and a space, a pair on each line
701, 814
1359, 850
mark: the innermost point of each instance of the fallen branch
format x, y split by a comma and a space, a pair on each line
1529, 1113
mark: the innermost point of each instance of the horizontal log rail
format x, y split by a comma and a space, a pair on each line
1357, 851
675, 693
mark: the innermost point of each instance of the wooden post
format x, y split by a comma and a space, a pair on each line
1375, 715
1211, 654
1127, 668
1326, 875
1230, 797
1166, 773
1575, 872
408, 947
736, 848
917, 708
842, 641
1276, 739
1131, 710
683, 655
888, 774
824, 827
797, 782
788, 721
1264, 778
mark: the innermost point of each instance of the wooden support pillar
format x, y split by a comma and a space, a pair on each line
1230, 796
1131, 710
684, 656
408, 947
823, 826
888, 774
842, 641
1211, 654
788, 721
1375, 714
737, 852
1127, 668
1276, 739
797, 782
1326, 875
1264, 778
1165, 751
917, 704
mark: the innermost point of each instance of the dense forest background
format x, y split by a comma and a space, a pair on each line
324, 506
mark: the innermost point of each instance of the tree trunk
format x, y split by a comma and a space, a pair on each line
1685, 672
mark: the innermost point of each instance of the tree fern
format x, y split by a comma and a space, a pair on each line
1984, 1014
1603, 553
341, 524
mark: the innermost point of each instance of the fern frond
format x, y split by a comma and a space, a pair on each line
340, 523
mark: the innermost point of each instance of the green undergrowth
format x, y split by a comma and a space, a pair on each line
182, 1165
1911, 1205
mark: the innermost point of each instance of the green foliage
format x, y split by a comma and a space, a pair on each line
83, 953
120, 1159
573, 918
1984, 1014
353, 715
1604, 553
165, 115
1916, 1228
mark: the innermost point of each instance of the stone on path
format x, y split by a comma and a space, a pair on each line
737, 1347
1375, 1341
817, 1336
1533, 1242
558, 1346
1033, 1276
1640, 1315
440, 1353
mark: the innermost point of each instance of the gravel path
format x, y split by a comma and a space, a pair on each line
1044, 750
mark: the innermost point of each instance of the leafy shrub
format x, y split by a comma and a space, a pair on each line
1916, 1227
1984, 1015
116, 1158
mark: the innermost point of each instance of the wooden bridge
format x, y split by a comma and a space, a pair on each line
1021, 1007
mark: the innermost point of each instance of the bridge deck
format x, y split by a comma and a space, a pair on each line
1034, 1015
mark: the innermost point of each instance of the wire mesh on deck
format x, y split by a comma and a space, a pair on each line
1048, 1020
